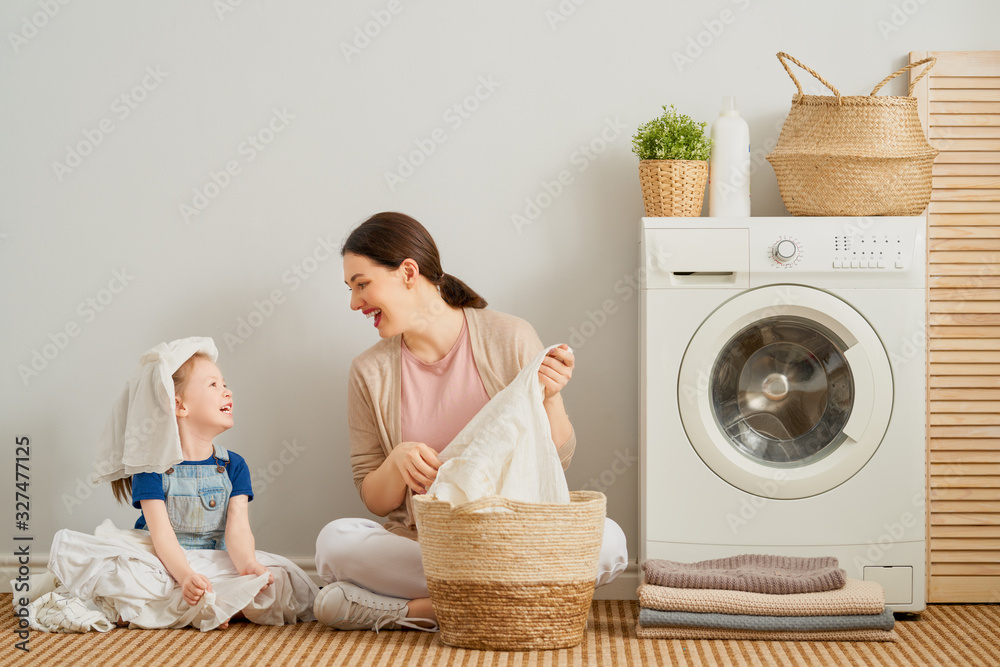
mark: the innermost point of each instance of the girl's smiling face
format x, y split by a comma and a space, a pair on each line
380, 293
205, 399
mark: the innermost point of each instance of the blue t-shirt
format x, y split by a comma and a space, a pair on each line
149, 485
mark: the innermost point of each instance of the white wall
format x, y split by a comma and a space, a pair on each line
558, 84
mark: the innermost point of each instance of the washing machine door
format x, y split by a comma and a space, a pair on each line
785, 391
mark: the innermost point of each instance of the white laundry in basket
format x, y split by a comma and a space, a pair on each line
506, 449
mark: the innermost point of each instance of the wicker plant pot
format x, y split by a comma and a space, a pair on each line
673, 188
516, 577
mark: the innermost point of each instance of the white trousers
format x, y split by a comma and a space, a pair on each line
364, 553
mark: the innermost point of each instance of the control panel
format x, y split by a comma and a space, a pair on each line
844, 251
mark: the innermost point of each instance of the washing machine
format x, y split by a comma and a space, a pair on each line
782, 393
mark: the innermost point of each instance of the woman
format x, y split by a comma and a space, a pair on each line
441, 358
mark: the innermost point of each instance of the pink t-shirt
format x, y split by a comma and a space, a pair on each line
439, 399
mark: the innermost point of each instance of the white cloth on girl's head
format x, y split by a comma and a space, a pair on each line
506, 449
141, 433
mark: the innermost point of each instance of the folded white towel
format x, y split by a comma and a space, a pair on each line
141, 433
506, 449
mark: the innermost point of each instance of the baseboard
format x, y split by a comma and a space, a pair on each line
622, 588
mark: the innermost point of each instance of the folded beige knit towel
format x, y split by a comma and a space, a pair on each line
755, 573
713, 633
856, 597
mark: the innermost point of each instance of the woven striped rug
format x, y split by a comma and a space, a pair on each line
943, 635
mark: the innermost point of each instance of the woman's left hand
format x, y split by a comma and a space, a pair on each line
556, 370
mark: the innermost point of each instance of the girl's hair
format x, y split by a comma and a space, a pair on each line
122, 488
389, 238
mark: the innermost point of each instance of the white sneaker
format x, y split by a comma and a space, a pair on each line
344, 606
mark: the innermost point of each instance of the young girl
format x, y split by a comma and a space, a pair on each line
442, 357
194, 497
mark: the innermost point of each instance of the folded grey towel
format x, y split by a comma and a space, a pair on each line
750, 572
652, 618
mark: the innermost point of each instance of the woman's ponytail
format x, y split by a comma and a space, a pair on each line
456, 293
389, 238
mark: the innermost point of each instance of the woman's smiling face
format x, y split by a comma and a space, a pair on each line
379, 293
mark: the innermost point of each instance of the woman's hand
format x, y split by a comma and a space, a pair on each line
417, 464
194, 586
256, 568
556, 370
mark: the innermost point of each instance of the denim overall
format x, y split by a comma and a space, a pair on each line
197, 501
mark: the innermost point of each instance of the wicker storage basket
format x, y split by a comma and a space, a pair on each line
857, 155
516, 580
673, 187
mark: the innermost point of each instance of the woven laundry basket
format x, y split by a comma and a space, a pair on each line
514, 580
673, 188
853, 155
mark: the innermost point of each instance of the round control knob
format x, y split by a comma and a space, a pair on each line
785, 250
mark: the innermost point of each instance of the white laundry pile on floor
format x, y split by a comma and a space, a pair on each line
114, 574
506, 449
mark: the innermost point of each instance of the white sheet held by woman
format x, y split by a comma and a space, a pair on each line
505, 450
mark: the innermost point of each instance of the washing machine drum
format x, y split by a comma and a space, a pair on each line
795, 400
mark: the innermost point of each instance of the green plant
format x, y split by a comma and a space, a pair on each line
672, 136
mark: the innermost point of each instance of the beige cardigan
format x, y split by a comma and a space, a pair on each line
501, 346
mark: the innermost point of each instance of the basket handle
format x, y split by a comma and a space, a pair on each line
782, 56
484, 502
930, 62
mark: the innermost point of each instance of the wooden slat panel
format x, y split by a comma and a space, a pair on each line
967, 182
965, 95
969, 157
970, 469
966, 506
956, 456
967, 381
964, 344
963, 532
965, 144
959, 232
961, 481
941, 80
959, 281
964, 494
952, 65
972, 556
965, 257
966, 394
966, 569
966, 406
962, 107
964, 419
971, 119
959, 544
944, 589
965, 431
965, 519
961, 369
970, 306
964, 169
960, 319
964, 132
967, 195
970, 293
974, 207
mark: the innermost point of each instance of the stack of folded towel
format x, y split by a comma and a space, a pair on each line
760, 597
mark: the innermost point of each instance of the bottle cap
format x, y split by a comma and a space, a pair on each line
729, 106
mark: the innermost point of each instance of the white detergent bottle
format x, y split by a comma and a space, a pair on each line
729, 166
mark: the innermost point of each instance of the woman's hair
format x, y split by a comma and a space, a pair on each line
122, 488
389, 238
